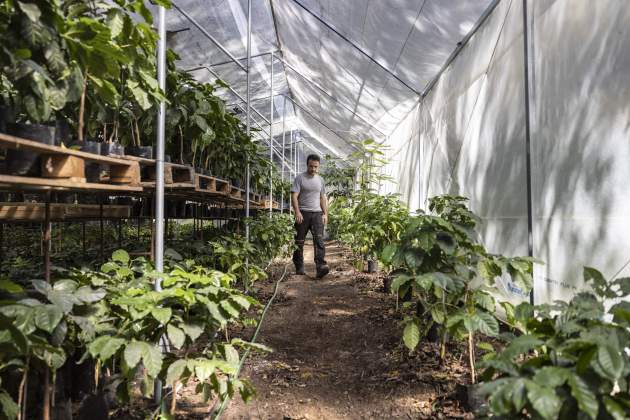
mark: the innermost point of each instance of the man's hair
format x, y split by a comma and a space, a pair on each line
312, 157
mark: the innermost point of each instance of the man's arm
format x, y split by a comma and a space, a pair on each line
323, 201
296, 208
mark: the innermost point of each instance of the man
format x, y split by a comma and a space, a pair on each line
308, 198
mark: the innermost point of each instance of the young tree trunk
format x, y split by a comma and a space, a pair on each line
82, 107
181, 145
21, 395
46, 402
471, 357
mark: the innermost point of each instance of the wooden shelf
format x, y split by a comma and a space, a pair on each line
60, 211
62, 184
64, 164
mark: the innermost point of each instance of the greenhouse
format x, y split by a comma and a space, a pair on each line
309, 209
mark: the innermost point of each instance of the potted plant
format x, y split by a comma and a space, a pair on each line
116, 54
38, 77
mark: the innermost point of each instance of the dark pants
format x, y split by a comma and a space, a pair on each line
312, 221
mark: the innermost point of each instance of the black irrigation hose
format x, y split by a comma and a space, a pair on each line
253, 340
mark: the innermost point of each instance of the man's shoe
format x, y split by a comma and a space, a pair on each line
322, 271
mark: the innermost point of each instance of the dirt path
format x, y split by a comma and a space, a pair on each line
337, 354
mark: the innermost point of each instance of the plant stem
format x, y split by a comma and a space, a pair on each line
21, 393
46, 403
443, 346
471, 356
135, 122
174, 398
181, 145
82, 106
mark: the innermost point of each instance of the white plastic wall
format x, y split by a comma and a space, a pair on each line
467, 136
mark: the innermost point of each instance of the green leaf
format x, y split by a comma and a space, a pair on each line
621, 312
152, 359
88, 295
192, 330
121, 256
139, 94
585, 398
521, 344
610, 361
388, 253
163, 315
204, 368
9, 407
551, 376
398, 281
176, 336
105, 347
411, 335
213, 308
231, 355
229, 308
9, 286
175, 371
109, 267
543, 399
47, 317
133, 353
615, 409
241, 301
438, 315
31, 11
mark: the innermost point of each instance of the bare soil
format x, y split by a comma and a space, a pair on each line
338, 355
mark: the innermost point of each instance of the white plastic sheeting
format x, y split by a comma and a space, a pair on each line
467, 136
348, 96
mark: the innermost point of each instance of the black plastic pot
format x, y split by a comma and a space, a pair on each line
141, 151
21, 162
235, 182
469, 396
372, 266
62, 132
92, 169
112, 149
167, 158
7, 116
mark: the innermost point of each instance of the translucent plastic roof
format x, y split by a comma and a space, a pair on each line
354, 68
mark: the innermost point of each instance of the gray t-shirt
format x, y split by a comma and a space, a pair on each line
309, 189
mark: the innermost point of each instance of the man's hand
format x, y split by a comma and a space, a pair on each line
298, 218
325, 219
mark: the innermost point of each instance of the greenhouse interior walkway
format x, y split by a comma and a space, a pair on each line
336, 355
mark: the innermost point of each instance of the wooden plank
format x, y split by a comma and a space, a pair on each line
63, 184
182, 173
61, 211
125, 174
62, 166
11, 142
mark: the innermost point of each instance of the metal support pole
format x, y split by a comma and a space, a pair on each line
271, 139
159, 167
248, 126
159, 164
101, 252
46, 238
528, 148
284, 116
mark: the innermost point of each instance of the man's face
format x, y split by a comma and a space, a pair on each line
312, 167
